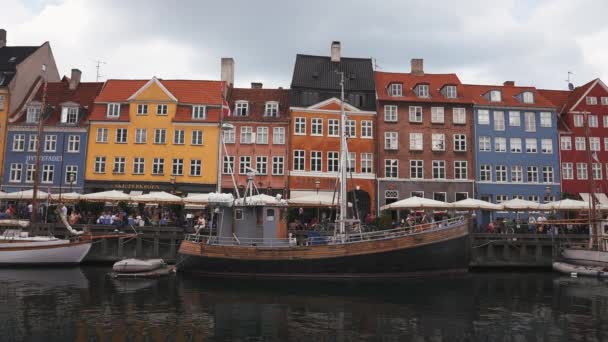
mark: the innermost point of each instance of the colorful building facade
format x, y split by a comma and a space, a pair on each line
425, 129
151, 135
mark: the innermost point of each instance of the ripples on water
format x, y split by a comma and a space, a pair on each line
82, 304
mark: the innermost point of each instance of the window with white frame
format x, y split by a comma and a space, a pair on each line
100, 165
530, 121
300, 126
548, 176
241, 108
179, 137
501, 198
18, 142
73, 143
333, 161
278, 165
33, 114
244, 164
71, 174
528, 97
113, 110
517, 174
102, 135
604, 101
416, 142
271, 109
199, 112
395, 89
121, 136
390, 113
142, 109
230, 136
417, 194
459, 116
499, 121
532, 174
459, 196
485, 144
416, 169
333, 128
30, 172
141, 135
367, 129
161, 109
32, 145
351, 162
440, 196
278, 135
139, 165
316, 126
515, 144
485, 173
228, 165
437, 115
605, 144
262, 135
1, 102
50, 143
69, 114
546, 146
177, 167
438, 142
593, 122
579, 120
567, 171
261, 165
594, 144
367, 163
460, 142
483, 117
460, 169
160, 136
596, 171
48, 174
197, 137
15, 173
316, 161
422, 90
495, 96
565, 143
299, 160
501, 173
119, 165
581, 171
451, 92
605, 119
591, 100
514, 119
246, 135
531, 145
500, 144
351, 128
580, 144
391, 140
545, 119
438, 169
415, 113
195, 167
391, 168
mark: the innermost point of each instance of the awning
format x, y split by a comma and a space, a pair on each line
136, 193
585, 196
602, 198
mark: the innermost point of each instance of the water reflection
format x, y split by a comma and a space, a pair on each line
84, 304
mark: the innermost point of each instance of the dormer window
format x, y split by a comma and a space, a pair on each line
591, 100
33, 113
241, 108
199, 112
451, 92
495, 96
69, 115
422, 90
528, 97
113, 110
395, 89
271, 109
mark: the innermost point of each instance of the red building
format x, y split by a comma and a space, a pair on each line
259, 139
583, 138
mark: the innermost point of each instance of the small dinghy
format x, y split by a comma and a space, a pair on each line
582, 270
141, 268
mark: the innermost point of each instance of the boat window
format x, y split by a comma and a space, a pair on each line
270, 215
239, 215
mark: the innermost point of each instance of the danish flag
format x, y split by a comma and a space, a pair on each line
225, 109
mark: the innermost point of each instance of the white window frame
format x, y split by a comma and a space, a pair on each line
246, 136
316, 127
423, 91
451, 92
121, 138
142, 109
500, 144
514, 118
241, 108
278, 135
499, 120
158, 166
160, 136
50, 143
179, 137
197, 138
199, 112
299, 160
546, 146
461, 169
391, 168
271, 109
440, 167
162, 109
437, 115
495, 96
578, 120
278, 165
16, 173
459, 116
102, 135
416, 141
483, 117
48, 174
395, 89
515, 145
196, 166
139, 165
565, 143
367, 129
120, 165
485, 144
113, 110
391, 113
333, 128
438, 142
73, 143
527, 97
531, 145
141, 135
100, 164
18, 142
261, 136
299, 125
591, 100
316, 161
460, 142
416, 114
416, 169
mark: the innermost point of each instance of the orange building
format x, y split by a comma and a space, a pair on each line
315, 151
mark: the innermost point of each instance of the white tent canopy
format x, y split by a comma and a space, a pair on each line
472, 203
320, 199
107, 196
157, 197
520, 204
566, 204
23, 195
67, 196
197, 199
261, 199
416, 203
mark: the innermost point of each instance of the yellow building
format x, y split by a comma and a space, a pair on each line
156, 135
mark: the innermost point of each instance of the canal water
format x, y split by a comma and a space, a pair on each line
83, 304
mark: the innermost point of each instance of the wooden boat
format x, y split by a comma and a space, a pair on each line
17, 248
587, 271
137, 265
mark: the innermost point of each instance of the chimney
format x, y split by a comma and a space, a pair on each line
335, 51
2, 38
75, 79
417, 65
256, 85
228, 71
509, 84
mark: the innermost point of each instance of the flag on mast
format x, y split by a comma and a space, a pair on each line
595, 157
225, 108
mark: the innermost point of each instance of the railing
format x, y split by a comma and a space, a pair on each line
327, 240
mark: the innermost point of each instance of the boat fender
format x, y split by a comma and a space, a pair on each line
574, 275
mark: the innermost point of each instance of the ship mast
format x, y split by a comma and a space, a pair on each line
38, 148
343, 160
593, 224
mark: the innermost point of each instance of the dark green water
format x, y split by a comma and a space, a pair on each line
82, 304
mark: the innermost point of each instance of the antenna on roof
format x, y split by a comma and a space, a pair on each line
376, 66
98, 64
570, 85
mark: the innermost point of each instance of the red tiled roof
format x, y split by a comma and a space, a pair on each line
435, 81
186, 91
99, 113
564, 100
577, 93
557, 97
257, 99
509, 93
184, 114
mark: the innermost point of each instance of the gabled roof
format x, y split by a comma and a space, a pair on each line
155, 81
558, 97
436, 83
257, 98
319, 72
334, 102
567, 100
508, 96
10, 57
185, 91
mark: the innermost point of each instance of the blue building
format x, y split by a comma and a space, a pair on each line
516, 145
64, 138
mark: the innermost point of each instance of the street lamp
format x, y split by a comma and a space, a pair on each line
317, 185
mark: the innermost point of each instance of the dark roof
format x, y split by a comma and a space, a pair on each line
257, 99
10, 57
319, 72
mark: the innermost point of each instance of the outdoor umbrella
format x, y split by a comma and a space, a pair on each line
159, 197
107, 196
197, 199
321, 199
68, 196
472, 203
517, 204
565, 204
416, 203
261, 199
23, 195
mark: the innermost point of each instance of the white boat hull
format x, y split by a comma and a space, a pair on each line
587, 271
585, 257
43, 252
137, 265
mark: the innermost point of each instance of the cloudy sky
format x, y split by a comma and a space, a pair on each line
530, 42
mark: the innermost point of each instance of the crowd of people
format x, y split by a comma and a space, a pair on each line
534, 225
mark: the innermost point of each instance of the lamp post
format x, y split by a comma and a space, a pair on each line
317, 185
172, 181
